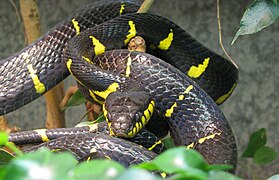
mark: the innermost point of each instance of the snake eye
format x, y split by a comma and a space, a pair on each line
137, 117
108, 117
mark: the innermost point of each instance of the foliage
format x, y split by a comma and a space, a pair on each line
257, 150
182, 163
179, 162
258, 15
75, 100
4, 142
44, 164
264, 155
257, 140
275, 177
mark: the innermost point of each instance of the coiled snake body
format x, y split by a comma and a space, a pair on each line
193, 117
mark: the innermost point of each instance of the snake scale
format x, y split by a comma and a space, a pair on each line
186, 85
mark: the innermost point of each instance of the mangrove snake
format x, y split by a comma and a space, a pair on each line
193, 117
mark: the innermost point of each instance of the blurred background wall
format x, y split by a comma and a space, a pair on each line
253, 105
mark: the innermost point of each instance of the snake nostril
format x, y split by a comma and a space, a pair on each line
116, 125
124, 126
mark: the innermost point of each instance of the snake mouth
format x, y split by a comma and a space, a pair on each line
121, 134
121, 129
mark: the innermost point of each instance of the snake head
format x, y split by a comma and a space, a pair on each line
127, 112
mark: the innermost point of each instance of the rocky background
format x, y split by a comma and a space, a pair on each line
253, 105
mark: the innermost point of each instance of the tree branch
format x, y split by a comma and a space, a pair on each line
30, 15
145, 6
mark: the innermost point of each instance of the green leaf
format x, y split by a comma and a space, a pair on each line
193, 173
258, 15
146, 165
85, 123
256, 141
264, 155
41, 164
274, 177
3, 138
4, 141
5, 157
76, 100
137, 174
178, 160
168, 142
220, 175
97, 169
220, 167
101, 118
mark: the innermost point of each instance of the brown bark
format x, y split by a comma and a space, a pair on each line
69, 93
93, 109
5, 127
144, 8
30, 15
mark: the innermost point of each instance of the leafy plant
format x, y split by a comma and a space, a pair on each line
179, 162
75, 100
258, 150
44, 164
258, 15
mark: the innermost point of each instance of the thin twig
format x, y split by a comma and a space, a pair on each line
220, 35
19, 21
16, 10
70, 92
145, 6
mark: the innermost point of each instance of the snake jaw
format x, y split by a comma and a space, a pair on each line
121, 125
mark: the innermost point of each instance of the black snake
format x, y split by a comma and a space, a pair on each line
193, 117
